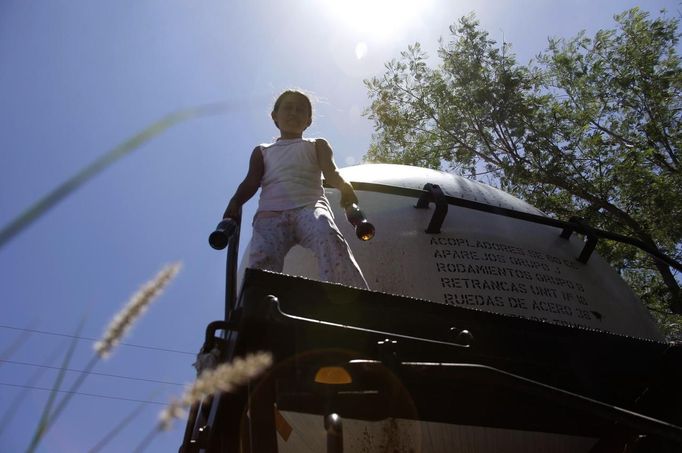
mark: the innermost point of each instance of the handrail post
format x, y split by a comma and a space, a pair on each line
231, 271
227, 235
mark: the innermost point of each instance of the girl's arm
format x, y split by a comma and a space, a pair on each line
325, 157
248, 187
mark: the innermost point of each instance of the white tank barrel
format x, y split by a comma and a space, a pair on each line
479, 260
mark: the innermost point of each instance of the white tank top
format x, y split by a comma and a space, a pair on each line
292, 176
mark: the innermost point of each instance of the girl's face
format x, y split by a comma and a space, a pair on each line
292, 116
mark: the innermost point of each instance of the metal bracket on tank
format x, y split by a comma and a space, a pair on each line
589, 232
435, 194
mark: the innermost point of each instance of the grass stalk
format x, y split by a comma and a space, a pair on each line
66, 188
147, 440
11, 409
15, 345
61, 405
45, 416
120, 426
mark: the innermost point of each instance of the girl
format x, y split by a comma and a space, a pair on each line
293, 208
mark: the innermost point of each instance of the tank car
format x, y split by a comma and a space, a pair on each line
487, 327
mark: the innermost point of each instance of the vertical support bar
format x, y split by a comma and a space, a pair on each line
435, 194
589, 247
334, 428
569, 229
231, 271
261, 416
591, 237
187, 446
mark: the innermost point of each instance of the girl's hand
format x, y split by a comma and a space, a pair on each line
348, 196
233, 211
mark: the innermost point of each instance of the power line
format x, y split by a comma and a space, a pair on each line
118, 376
94, 395
45, 332
16, 344
10, 410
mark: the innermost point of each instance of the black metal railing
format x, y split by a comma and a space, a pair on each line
432, 192
228, 231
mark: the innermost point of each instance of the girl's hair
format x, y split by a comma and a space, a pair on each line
281, 97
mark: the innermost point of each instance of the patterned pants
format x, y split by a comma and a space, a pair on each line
274, 233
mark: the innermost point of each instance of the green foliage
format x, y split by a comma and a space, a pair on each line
590, 128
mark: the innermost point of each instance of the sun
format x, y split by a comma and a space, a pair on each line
376, 19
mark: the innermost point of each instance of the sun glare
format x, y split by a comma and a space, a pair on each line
361, 50
378, 19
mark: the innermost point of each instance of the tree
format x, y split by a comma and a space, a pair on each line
590, 128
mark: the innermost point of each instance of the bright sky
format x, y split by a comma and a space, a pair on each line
79, 77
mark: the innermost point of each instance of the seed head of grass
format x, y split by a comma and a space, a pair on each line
224, 378
138, 304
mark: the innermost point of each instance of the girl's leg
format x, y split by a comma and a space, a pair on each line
272, 238
316, 230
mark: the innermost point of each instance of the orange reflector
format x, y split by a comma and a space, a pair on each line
332, 375
282, 426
